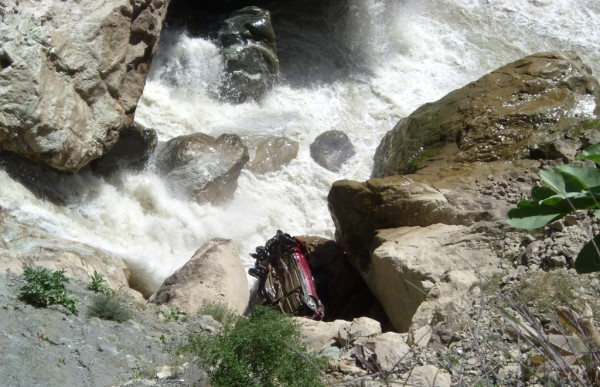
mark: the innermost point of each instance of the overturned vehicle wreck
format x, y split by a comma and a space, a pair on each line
285, 280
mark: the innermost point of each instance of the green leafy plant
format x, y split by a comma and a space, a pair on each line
98, 284
263, 349
173, 314
566, 188
109, 307
46, 287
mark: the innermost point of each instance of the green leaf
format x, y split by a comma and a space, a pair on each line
588, 259
553, 179
588, 177
530, 214
558, 199
541, 192
591, 153
561, 183
531, 222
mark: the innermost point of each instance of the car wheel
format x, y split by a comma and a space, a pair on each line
310, 302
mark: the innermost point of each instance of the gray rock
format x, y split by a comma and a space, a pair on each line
331, 352
331, 149
132, 151
250, 54
71, 75
201, 167
49, 347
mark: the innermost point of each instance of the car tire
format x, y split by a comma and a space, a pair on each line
310, 303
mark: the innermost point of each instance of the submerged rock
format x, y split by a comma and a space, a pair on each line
250, 54
331, 149
71, 75
202, 167
269, 154
505, 114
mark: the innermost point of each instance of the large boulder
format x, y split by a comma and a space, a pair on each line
509, 113
360, 209
71, 75
417, 247
422, 273
331, 149
249, 53
214, 274
201, 167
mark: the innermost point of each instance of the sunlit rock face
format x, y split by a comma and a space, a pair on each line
504, 115
405, 237
214, 274
71, 75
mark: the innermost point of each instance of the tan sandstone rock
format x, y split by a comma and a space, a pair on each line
71, 74
426, 269
214, 274
23, 245
427, 375
320, 334
390, 348
360, 209
359, 328
269, 153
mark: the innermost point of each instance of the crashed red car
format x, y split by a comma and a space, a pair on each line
284, 277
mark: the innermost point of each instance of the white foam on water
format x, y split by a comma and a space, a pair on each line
406, 53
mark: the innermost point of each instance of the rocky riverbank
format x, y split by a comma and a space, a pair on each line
476, 341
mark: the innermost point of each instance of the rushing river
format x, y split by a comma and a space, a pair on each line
358, 71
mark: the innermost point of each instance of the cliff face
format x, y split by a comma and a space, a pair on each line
71, 75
